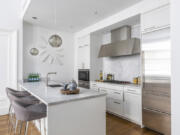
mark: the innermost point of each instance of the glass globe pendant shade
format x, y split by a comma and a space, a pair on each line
34, 51
55, 41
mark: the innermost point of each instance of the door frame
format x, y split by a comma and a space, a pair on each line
11, 66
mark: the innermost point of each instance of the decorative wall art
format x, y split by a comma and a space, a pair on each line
50, 54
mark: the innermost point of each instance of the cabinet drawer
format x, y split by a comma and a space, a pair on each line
133, 90
156, 19
157, 121
115, 106
157, 102
116, 94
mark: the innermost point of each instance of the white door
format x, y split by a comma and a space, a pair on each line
8, 66
132, 107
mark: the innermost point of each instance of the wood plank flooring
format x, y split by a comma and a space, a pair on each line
115, 126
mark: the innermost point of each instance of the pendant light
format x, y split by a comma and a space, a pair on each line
34, 51
55, 40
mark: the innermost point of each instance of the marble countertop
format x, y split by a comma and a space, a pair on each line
52, 96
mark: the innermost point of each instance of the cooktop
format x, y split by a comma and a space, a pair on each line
116, 81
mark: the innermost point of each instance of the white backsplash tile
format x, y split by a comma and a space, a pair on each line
124, 68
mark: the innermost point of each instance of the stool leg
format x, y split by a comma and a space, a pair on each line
44, 126
20, 128
39, 125
12, 123
9, 117
26, 128
16, 126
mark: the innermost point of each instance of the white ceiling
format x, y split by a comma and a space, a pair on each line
73, 15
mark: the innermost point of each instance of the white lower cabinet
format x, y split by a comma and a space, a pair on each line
115, 106
121, 100
132, 106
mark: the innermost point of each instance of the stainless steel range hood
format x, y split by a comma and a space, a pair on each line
122, 44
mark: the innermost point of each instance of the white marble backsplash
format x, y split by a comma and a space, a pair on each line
124, 68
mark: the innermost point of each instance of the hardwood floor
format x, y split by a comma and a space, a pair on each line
115, 126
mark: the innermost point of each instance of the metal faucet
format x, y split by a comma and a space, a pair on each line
50, 73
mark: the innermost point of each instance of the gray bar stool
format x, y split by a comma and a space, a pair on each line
19, 96
28, 113
17, 93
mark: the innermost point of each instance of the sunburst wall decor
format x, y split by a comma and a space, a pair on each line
50, 54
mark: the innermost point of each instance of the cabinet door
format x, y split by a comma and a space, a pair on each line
86, 56
156, 19
132, 106
84, 52
94, 86
115, 106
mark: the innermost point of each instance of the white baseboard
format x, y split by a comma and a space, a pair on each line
4, 106
4, 111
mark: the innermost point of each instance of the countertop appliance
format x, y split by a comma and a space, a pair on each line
83, 78
156, 97
122, 44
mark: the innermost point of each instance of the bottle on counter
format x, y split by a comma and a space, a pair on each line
101, 75
135, 80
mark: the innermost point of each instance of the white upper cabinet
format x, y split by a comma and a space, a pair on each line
156, 19
84, 52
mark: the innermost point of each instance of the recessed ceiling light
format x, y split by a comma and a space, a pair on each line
95, 12
71, 27
35, 18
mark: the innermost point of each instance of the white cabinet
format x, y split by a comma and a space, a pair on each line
114, 100
132, 106
156, 19
84, 52
94, 86
122, 100
115, 106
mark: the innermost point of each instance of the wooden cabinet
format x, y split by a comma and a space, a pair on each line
156, 19
84, 52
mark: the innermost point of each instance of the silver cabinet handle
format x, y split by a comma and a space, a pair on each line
123, 97
131, 90
117, 93
85, 44
150, 28
117, 103
103, 90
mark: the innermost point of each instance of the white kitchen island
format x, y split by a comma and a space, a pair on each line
81, 114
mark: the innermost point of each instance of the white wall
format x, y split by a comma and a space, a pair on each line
96, 64
175, 81
11, 21
141, 7
35, 36
124, 68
